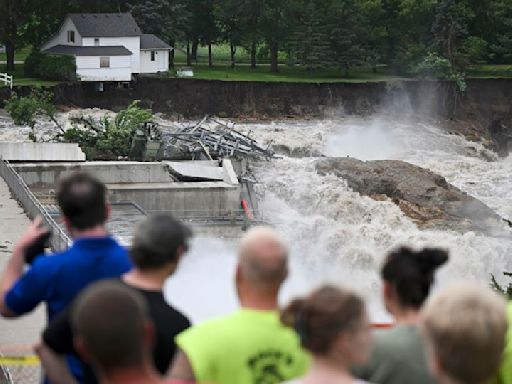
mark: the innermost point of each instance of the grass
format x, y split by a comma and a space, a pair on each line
20, 79
295, 74
489, 71
19, 55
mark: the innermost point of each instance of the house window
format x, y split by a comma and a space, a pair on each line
71, 36
96, 41
104, 62
153, 53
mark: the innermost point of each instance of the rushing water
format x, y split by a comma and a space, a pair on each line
335, 234
338, 236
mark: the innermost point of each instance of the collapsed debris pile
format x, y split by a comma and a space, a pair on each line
212, 139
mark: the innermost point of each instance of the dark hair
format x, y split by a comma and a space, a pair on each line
157, 241
110, 319
411, 273
82, 199
320, 317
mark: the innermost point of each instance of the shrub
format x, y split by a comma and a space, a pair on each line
108, 138
24, 110
50, 67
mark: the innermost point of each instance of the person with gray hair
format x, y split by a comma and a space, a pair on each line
250, 345
464, 327
113, 331
157, 247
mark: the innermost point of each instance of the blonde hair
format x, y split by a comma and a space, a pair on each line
465, 327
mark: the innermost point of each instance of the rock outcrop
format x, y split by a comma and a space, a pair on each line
427, 198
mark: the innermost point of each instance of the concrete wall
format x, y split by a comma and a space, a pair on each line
41, 152
209, 199
46, 174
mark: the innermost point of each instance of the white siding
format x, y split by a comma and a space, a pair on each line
88, 68
161, 63
131, 43
62, 36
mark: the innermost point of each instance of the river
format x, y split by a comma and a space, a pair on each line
337, 235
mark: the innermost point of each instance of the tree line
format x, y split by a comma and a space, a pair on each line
400, 34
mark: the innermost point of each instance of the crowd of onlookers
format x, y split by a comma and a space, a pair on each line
109, 322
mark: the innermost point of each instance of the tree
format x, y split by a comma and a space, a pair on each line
14, 13
168, 19
25, 110
450, 28
228, 14
348, 38
311, 39
107, 138
204, 29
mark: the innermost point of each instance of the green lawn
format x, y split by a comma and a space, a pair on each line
288, 74
490, 71
19, 55
20, 79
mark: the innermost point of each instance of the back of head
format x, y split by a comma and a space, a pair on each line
323, 315
263, 258
109, 321
411, 273
159, 240
465, 328
82, 199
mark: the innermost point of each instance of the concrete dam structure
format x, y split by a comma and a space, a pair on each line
209, 200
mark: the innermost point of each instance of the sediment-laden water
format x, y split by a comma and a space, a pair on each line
335, 234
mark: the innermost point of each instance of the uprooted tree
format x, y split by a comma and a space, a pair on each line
504, 290
24, 110
109, 137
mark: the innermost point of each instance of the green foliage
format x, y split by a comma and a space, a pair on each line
504, 290
109, 138
50, 67
24, 110
437, 67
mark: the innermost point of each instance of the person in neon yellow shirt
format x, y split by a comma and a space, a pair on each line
505, 374
250, 345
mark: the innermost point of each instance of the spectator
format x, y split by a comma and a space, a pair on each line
250, 345
158, 245
505, 374
56, 280
333, 326
464, 328
398, 354
113, 331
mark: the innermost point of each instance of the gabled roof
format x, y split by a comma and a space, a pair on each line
115, 50
149, 41
105, 24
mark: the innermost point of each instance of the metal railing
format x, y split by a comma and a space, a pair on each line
6, 78
59, 240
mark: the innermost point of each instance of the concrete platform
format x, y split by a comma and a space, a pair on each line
185, 200
41, 152
42, 174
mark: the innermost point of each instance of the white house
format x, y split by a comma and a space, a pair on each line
108, 47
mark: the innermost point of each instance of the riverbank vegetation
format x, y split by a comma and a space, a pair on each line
298, 40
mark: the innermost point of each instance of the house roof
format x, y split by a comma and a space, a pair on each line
149, 41
115, 50
105, 24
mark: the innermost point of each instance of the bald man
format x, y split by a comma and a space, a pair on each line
249, 345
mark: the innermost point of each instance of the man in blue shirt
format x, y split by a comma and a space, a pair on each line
58, 278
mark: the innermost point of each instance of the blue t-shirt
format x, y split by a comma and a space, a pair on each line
58, 278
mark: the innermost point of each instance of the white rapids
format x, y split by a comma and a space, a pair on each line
340, 237
335, 234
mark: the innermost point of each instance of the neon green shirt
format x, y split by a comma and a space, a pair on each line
245, 347
505, 375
